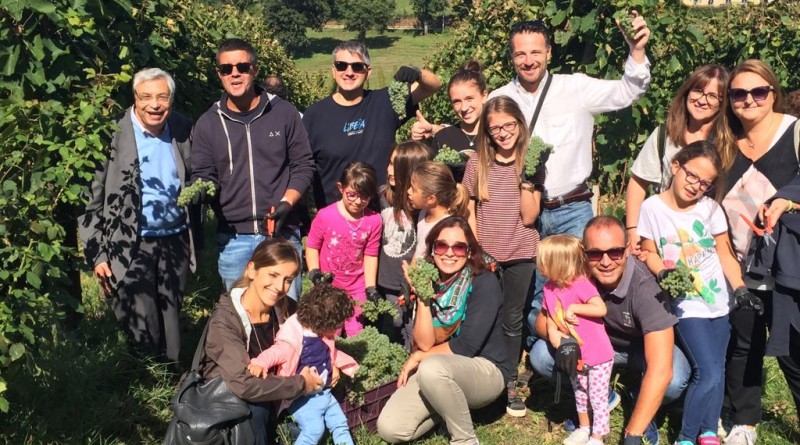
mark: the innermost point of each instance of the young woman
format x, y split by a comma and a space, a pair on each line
467, 91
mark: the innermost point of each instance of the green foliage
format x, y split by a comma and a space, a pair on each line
362, 15
380, 361
423, 276
679, 282
447, 155
398, 95
288, 20
427, 11
536, 149
188, 193
371, 311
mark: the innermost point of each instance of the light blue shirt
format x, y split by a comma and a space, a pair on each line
160, 184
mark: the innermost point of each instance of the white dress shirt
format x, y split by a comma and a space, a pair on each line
567, 117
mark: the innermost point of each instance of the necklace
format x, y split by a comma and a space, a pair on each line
752, 145
354, 230
472, 139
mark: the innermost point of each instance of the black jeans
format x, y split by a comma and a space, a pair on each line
515, 278
264, 423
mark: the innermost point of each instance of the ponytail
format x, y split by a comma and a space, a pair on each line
460, 204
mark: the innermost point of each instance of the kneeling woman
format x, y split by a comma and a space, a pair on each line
244, 323
468, 369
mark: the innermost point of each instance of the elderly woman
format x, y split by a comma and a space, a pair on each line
765, 161
466, 367
244, 323
697, 113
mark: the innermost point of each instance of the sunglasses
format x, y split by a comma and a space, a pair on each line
693, 179
759, 93
595, 255
352, 196
508, 127
460, 249
227, 68
358, 67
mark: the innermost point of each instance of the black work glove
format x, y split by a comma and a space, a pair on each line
746, 300
317, 277
567, 356
373, 295
633, 440
279, 215
407, 74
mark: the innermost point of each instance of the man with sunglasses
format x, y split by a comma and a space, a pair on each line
637, 321
253, 147
357, 124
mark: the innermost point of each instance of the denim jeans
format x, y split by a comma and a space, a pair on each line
235, 250
570, 218
705, 341
315, 412
542, 354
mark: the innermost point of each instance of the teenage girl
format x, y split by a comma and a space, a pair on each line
437, 195
307, 339
572, 301
345, 238
467, 92
503, 207
399, 239
683, 226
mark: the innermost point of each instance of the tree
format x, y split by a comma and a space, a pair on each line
363, 15
426, 10
288, 20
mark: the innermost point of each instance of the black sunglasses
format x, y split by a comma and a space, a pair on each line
758, 93
358, 67
615, 254
227, 68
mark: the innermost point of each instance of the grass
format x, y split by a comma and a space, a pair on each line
388, 52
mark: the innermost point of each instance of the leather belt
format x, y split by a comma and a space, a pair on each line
581, 193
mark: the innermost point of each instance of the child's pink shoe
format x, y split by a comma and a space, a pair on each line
708, 438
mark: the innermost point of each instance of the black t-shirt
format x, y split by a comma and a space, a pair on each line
778, 165
342, 134
455, 138
262, 336
634, 308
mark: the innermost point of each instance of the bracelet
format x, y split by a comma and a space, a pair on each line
528, 187
630, 227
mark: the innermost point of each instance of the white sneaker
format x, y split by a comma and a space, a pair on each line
741, 435
578, 437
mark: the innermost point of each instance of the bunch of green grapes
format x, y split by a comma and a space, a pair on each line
188, 193
447, 155
537, 148
679, 282
371, 311
380, 359
423, 274
626, 21
398, 95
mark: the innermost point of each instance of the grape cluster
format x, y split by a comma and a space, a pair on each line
398, 95
626, 21
448, 156
379, 358
679, 282
188, 193
371, 310
537, 148
423, 274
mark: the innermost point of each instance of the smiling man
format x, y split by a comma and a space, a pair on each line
252, 145
357, 124
136, 236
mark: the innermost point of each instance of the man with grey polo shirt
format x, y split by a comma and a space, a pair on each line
638, 323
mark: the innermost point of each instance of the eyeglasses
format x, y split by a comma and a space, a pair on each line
352, 196
614, 254
529, 26
227, 68
711, 98
692, 178
358, 67
508, 127
758, 93
460, 249
147, 98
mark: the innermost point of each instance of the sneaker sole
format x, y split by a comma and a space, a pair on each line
615, 402
516, 412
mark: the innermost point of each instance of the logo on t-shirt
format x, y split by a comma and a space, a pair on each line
355, 127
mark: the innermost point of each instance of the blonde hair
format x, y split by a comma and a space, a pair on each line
435, 179
486, 152
561, 259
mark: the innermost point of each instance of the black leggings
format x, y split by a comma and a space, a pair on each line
515, 278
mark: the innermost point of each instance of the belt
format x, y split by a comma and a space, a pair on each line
581, 193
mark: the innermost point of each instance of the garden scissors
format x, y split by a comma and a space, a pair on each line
765, 233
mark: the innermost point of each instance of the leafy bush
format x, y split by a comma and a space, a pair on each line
380, 360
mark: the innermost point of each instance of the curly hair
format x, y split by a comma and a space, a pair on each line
324, 308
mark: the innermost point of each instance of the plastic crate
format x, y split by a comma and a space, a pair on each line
366, 414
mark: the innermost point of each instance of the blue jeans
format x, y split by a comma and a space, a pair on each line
705, 341
570, 218
313, 413
542, 354
235, 251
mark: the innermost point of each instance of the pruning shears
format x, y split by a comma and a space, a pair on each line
270, 223
765, 233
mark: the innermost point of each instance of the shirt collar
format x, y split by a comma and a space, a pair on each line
522, 90
625, 282
137, 126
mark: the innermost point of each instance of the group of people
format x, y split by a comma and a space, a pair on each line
509, 244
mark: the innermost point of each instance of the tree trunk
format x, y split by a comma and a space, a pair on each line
425, 27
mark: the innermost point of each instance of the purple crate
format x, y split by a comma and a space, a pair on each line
367, 413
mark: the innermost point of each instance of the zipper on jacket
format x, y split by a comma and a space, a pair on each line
252, 178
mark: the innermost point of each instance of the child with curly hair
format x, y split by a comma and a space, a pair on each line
307, 339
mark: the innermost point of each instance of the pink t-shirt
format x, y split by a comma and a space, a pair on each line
596, 348
342, 245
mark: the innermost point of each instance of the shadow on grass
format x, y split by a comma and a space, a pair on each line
326, 45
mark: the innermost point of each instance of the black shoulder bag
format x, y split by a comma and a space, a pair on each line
206, 411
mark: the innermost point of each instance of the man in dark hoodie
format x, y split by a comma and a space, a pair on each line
253, 147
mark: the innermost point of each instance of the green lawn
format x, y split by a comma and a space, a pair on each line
388, 52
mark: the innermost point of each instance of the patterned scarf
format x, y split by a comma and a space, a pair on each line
449, 305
